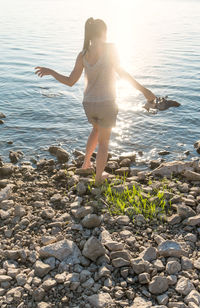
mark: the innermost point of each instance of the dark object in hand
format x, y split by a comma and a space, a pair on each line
161, 103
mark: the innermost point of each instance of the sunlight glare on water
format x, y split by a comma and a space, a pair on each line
158, 43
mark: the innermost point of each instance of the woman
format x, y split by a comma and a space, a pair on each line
100, 62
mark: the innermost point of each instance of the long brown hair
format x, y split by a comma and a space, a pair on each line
93, 29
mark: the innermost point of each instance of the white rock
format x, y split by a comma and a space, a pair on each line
61, 250
184, 286
170, 249
41, 269
149, 254
163, 299
173, 267
100, 300
91, 221
6, 192
174, 167
93, 249
193, 297
140, 302
21, 279
158, 285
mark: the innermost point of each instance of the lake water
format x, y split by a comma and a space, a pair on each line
158, 43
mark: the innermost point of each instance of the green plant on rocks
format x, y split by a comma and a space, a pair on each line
132, 200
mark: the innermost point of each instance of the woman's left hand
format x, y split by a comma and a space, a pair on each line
149, 95
42, 71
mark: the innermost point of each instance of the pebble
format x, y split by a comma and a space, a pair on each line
185, 211
144, 278
173, 267
123, 220
170, 249
193, 221
60, 246
158, 285
119, 262
100, 300
149, 254
139, 265
184, 286
41, 269
61, 250
91, 221
93, 249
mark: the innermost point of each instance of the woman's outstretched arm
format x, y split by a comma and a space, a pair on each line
69, 81
125, 75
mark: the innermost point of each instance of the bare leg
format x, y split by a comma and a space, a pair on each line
102, 154
90, 147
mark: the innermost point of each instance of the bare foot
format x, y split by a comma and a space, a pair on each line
86, 166
104, 176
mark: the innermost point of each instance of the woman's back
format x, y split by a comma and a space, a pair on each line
99, 74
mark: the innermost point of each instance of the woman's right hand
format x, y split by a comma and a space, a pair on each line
42, 71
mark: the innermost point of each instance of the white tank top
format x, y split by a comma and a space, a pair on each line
100, 78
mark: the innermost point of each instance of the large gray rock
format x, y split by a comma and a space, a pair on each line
197, 264
114, 246
81, 188
119, 262
184, 286
41, 269
93, 249
175, 167
193, 221
123, 220
6, 192
158, 285
197, 146
144, 278
91, 221
82, 211
139, 265
85, 172
163, 299
174, 219
191, 175
5, 278
173, 267
2, 115
185, 211
120, 254
62, 250
149, 254
48, 284
186, 264
193, 297
15, 156
6, 170
170, 249
140, 302
60, 153
100, 300
44, 305
48, 213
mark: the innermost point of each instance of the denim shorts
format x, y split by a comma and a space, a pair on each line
102, 113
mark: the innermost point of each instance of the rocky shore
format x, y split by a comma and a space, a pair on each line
62, 246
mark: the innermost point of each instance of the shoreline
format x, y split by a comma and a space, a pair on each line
61, 245
143, 156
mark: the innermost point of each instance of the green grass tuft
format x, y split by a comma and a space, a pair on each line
131, 200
